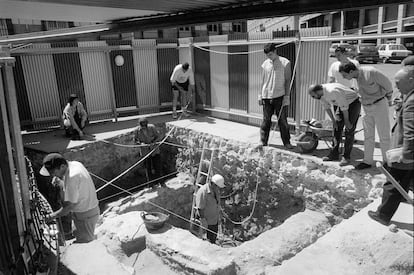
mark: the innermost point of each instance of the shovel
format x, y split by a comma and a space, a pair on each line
395, 183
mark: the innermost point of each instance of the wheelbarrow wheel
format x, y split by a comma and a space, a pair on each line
307, 142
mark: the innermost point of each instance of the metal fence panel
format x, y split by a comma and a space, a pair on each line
146, 72
255, 77
21, 93
202, 76
41, 84
123, 76
68, 73
238, 78
219, 78
313, 64
95, 80
167, 59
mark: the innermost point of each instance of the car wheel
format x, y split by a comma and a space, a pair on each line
384, 60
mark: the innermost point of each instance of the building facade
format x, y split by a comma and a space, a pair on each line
378, 20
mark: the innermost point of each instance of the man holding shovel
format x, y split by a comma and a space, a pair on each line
401, 165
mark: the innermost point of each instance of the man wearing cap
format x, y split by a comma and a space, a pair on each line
74, 117
334, 75
347, 108
182, 81
147, 136
208, 205
375, 90
79, 194
402, 137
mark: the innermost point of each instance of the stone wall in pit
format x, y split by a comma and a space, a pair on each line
286, 182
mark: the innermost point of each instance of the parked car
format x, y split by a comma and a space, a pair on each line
393, 52
366, 52
349, 48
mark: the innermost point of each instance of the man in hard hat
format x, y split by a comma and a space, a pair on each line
208, 205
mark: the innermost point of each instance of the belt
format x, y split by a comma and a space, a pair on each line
378, 100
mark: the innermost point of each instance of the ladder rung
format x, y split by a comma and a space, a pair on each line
199, 184
203, 173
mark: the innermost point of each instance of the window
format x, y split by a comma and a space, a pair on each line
391, 13
3, 27
212, 28
409, 10
185, 28
237, 27
371, 17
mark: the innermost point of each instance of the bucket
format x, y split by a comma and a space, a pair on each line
154, 220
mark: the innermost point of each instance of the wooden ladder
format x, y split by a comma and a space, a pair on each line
199, 182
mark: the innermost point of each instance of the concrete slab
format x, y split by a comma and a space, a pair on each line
358, 245
190, 257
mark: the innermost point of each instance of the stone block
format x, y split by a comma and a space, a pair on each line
280, 243
92, 259
187, 254
128, 229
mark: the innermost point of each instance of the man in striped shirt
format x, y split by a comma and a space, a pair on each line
347, 107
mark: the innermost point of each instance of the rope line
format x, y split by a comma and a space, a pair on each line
238, 53
253, 208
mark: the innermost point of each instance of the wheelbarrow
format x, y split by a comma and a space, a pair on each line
314, 131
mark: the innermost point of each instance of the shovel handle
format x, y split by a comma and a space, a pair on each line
395, 183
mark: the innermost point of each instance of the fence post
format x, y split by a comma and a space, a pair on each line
111, 85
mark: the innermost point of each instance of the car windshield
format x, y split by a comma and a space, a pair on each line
367, 48
397, 47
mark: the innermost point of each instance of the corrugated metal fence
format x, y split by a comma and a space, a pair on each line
45, 75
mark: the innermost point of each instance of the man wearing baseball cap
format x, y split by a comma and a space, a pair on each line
208, 205
79, 194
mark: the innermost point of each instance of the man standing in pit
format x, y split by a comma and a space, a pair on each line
208, 205
79, 194
347, 108
274, 94
375, 90
182, 81
147, 135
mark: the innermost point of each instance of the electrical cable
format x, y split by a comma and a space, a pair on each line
239, 53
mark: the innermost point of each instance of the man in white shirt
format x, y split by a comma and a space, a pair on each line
182, 81
347, 108
334, 75
79, 192
274, 94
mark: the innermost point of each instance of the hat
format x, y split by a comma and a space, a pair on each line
218, 180
72, 97
51, 161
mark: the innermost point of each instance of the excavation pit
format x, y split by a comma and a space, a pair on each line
266, 191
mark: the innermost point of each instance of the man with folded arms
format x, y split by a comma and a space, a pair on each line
375, 90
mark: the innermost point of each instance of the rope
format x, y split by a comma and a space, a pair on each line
253, 208
138, 186
146, 156
236, 53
